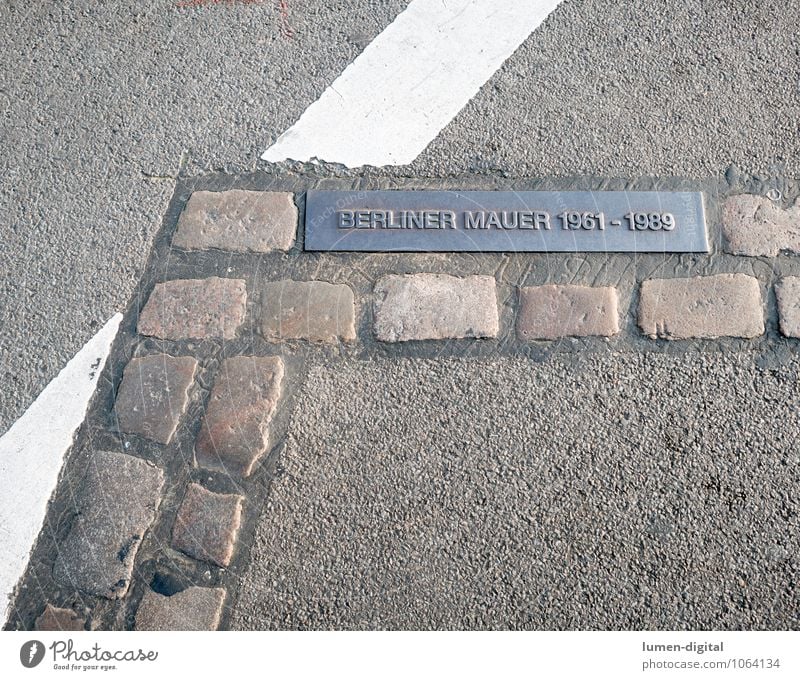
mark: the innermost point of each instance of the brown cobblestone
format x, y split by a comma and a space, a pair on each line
787, 292
308, 310
702, 307
756, 226
435, 307
57, 619
207, 525
195, 309
153, 395
236, 220
116, 507
235, 429
191, 609
555, 311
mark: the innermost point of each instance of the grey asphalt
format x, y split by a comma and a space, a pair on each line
614, 490
102, 105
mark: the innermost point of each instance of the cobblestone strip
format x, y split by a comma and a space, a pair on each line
195, 309
308, 310
154, 394
435, 307
207, 525
787, 293
191, 609
240, 221
756, 226
121, 493
120, 496
235, 429
702, 307
556, 311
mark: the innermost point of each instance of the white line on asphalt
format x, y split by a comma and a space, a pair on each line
33, 450
410, 81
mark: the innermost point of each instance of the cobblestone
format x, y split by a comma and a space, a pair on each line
116, 507
702, 307
787, 292
308, 310
207, 525
756, 226
154, 394
195, 309
191, 609
236, 220
58, 619
435, 307
555, 311
235, 430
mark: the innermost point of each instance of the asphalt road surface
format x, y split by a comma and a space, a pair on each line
613, 491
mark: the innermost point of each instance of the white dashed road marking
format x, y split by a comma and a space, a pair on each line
410, 82
33, 450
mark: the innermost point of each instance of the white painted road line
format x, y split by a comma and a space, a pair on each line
33, 450
410, 82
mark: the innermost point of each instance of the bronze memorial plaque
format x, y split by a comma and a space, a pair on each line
506, 221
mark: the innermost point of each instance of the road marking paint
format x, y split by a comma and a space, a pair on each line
33, 450
409, 82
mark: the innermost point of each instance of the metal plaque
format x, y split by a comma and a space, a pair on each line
506, 221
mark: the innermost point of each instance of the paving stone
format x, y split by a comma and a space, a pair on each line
555, 311
56, 618
701, 307
116, 507
787, 292
756, 226
235, 429
191, 609
195, 308
207, 525
434, 307
308, 310
153, 395
236, 220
